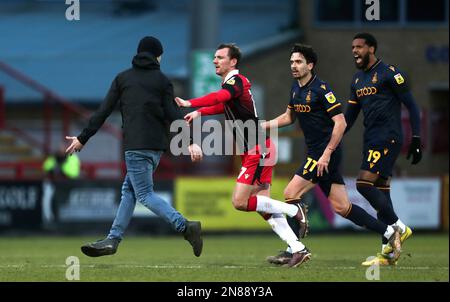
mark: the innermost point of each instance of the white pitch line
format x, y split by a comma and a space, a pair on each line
309, 267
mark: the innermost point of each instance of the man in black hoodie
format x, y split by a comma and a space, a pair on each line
146, 101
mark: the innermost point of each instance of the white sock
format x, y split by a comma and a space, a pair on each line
281, 227
272, 206
296, 246
389, 232
401, 225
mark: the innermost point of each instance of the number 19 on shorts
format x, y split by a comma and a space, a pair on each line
373, 157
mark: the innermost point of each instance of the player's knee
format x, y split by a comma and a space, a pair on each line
288, 193
382, 182
240, 204
340, 207
142, 198
372, 194
363, 186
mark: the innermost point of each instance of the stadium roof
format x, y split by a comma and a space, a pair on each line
79, 59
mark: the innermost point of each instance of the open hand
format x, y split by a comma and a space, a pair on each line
191, 116
75, 145
182, 103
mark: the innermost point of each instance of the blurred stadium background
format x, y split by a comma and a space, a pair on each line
54, 73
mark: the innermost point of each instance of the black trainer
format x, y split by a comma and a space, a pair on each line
282, 258
107, 246
193, 234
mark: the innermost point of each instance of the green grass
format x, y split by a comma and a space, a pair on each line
425, 257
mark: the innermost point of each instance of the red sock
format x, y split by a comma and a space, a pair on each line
251, 204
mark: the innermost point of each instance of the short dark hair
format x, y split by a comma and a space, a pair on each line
233, 51
369, 40
307, 51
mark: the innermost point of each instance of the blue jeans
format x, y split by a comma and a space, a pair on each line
138, 186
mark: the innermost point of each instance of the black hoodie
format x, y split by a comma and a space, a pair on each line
146, 101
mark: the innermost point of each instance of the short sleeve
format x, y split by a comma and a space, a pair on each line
396, 80
330, 102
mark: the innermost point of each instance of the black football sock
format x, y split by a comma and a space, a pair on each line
360, 217
377, 199
386, 190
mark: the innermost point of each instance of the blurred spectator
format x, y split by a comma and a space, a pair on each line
60, 165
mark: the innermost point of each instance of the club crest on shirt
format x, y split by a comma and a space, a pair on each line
399, 79
308, 97
231, 81
375, 78
330, 97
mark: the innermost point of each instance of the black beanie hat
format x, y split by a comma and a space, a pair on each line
150, 44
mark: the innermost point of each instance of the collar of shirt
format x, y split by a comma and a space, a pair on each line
373, 66
230, 74
308, 83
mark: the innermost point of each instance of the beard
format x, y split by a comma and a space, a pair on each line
364, 62
300, 75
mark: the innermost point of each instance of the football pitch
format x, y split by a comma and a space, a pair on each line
227, 258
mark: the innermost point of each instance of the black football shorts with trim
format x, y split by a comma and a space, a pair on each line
308, 170
380, 158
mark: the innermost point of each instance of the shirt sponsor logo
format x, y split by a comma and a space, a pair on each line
366, 91
302, 108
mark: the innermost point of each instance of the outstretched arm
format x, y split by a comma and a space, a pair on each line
99, 117
173, 112
211, 110
282, 120
211, 99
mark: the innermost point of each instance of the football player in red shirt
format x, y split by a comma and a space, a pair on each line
252, 189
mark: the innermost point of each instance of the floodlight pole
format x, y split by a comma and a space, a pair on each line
204, 24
